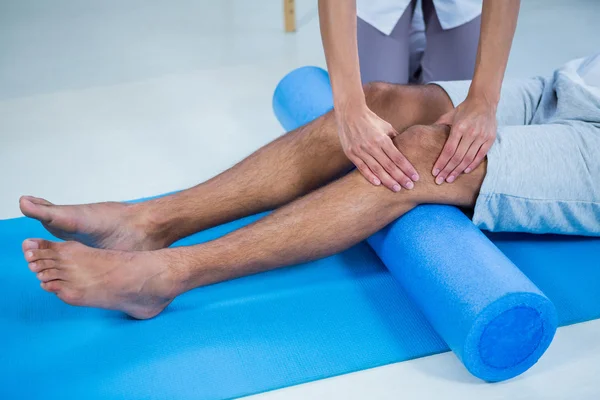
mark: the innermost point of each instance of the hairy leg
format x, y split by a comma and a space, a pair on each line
321, 223
291, 166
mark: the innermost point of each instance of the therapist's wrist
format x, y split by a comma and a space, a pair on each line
348, 105
486, 93
487, 98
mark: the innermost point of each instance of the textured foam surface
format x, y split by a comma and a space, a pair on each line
302, 88
489, 313
337, 315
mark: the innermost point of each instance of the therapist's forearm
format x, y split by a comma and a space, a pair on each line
338, 32
498, 23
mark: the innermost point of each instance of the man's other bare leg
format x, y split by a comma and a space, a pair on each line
291, 166
321, 223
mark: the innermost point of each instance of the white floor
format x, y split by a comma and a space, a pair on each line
123, 99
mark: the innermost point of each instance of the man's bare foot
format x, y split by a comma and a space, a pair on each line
140, 284
115, 226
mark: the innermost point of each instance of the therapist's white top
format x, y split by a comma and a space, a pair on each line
384, 14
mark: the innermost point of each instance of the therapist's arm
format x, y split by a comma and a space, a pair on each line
473, 122
365, 138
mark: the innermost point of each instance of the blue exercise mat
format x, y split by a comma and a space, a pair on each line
337, 315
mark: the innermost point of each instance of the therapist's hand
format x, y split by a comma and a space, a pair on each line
367, 142
472, 133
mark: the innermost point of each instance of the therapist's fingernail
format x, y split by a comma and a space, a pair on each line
450, 179
467, 170
396, 188
376, 181
415, 177
410, 185
435, 172
439, 180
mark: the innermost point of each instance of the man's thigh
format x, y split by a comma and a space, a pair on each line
542, 179
519, 99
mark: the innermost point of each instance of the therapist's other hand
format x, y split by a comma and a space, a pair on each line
472, 133
367, 142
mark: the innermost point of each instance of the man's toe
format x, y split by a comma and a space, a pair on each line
41, 265
52, 286
50, 274
31, 209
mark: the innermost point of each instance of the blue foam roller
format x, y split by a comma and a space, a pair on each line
302, 96
488, 312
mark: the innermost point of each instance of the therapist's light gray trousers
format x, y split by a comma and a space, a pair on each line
449, 54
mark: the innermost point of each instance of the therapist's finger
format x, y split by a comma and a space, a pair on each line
375, 166
401, 169
448, 151
365, 171
459, 154
480, 156
466, 161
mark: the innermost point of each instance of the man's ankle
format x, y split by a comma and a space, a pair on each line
151, 219
183, 268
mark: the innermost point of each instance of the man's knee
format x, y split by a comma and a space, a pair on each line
422, 145
373, 89
381, 94
405, 105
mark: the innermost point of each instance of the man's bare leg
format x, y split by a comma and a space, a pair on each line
321, 223
291, 166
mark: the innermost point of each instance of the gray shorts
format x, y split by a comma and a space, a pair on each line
543, 173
